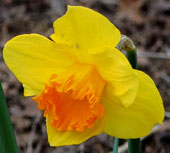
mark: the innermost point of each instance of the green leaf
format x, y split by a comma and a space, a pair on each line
7, 138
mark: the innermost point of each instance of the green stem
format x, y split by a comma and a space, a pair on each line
116, 145
132, 57
134, 146
7, 138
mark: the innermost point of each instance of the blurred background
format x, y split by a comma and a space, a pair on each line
146, 22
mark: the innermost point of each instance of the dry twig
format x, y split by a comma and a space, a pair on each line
32, 133
154, 55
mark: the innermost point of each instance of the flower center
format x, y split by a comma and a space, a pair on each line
72, 100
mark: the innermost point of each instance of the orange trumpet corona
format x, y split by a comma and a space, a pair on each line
73, 98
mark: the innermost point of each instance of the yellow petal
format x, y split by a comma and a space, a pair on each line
85, 29
29, 91
33, 58
139, 118
114, 67
60, 138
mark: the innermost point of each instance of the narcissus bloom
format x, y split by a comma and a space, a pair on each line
83, 84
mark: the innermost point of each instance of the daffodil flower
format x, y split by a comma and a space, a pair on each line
84, 85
